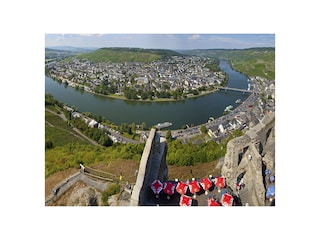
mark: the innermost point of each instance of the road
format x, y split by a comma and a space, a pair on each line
119, 137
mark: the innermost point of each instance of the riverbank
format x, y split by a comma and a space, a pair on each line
157, 99
121, 97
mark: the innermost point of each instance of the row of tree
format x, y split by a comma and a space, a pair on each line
49, 100
134, 94
96, 134
189, 154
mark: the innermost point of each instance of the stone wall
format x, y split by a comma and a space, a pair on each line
152, 166
65, 185
248, 157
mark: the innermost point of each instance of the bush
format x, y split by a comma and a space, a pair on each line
49, 144
111, 190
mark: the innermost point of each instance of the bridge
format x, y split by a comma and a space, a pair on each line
237, 90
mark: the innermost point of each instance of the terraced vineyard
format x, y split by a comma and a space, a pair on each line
252, 61
255, 63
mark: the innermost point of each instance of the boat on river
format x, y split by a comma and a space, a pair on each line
211, 119
163, 125
228, 108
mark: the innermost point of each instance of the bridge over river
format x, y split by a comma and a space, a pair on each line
237, 90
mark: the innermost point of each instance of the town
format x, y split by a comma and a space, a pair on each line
176, 77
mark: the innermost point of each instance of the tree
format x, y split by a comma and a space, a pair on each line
169, 135
133, 127
143, 126
50, 100
184, 126
105, 141
144, 95
74, 108
203, 129
99, 118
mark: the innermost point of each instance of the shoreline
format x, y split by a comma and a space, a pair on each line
157, 99
114, 96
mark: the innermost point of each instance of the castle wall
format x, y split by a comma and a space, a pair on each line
152, 166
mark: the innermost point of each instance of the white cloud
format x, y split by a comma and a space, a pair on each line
90, 35
194, 37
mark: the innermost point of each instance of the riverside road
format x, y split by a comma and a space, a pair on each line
193, 131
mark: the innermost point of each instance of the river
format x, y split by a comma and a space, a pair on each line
190, 111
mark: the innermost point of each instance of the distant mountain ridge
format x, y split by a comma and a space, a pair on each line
72, 49
218, 52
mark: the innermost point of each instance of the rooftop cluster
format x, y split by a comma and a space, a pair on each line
174, 77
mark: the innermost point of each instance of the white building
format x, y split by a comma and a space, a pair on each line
93, 123
221, 128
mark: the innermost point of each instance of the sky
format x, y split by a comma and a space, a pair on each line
163, 41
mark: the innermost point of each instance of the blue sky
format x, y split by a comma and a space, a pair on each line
164, 41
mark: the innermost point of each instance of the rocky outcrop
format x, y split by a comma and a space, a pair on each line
246, 160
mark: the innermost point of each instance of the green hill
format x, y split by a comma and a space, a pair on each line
121, 55
251, 61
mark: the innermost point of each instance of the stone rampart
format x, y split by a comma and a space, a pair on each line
152, 166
